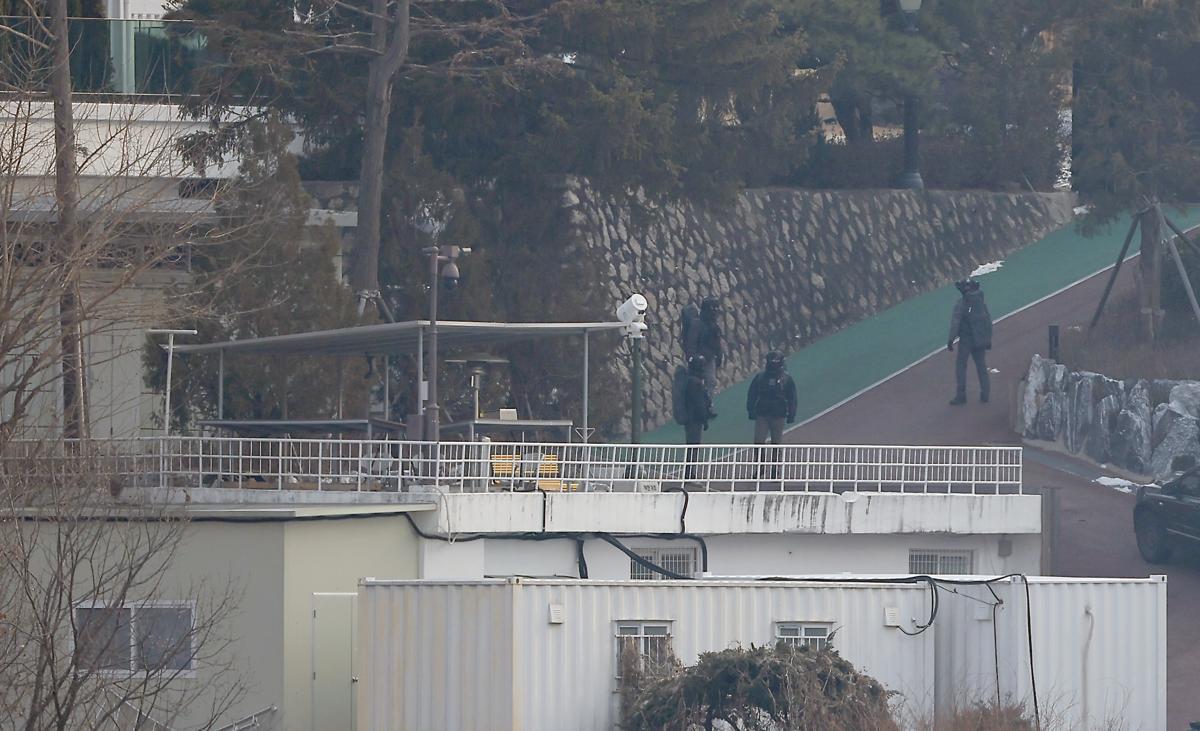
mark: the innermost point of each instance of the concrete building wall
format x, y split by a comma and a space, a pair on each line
330, 556
730, 555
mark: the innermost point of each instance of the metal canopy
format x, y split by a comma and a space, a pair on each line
400, 338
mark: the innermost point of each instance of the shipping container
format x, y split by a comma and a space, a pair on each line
543, 654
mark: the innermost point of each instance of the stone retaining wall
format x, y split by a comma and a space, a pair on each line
1149, 427
792, 266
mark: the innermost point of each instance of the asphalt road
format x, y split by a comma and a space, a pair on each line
1095, 522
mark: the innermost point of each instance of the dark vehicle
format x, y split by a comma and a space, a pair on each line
1168, 516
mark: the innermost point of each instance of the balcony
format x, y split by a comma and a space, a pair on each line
383, 466
109, 57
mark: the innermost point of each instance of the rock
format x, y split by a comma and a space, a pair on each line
1160, 391
569, 199
1078, 417
1138, 400
1050, 418
1165, 416
1185, 398
1035, 383
1182, 440
1130, 442
1103, 420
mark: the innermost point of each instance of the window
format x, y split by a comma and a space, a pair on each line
681, 561
152, 637
647, 645
933, 562
813, 635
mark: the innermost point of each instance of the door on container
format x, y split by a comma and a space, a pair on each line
333, 636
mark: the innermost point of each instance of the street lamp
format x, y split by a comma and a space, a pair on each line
447, 257
632, 313
911, 177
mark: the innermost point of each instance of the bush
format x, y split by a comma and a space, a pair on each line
777, 688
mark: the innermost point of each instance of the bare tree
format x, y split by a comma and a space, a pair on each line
87, 641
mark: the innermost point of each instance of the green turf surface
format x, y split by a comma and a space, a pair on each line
838, 366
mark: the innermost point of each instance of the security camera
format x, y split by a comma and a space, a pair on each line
633, 313
450, 276
632, 310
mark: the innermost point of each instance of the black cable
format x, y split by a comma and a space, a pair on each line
580, 558
683, 514
996, 640
1037, 712
641, 561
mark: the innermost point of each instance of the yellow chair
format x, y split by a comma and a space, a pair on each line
547, 474
504, 468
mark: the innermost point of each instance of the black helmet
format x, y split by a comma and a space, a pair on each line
774, 358
966, 285
710, 304
696, 364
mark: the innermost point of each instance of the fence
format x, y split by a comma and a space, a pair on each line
334, 464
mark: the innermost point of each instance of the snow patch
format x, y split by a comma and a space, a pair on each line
1117, 483
993, 370
1082, 210
987, 268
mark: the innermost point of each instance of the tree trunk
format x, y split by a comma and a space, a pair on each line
1150, 279
66, 252
390, 37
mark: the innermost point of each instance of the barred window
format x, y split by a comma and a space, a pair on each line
814, 635
934, 562
648, 644
681, 561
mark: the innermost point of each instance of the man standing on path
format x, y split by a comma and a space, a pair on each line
697, 407
971, 324
771, 401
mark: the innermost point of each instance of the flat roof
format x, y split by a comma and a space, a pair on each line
399, 338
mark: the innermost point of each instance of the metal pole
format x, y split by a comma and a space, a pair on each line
420, 371
432, 431
1187, 283
585, 385
221, 383
1053, 342
1116, 270
167, 395
635, 428
339, 387
912, 145
387, 393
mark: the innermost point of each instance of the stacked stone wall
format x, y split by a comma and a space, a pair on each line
791, 266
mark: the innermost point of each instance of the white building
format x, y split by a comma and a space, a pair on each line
542, 654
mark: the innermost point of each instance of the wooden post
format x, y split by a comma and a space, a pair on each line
1150, 267
1187, 283
1116, 270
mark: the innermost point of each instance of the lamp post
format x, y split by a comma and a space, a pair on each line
911, 177
446, 256
633, 314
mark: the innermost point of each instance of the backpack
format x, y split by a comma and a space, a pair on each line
979, 320
679, 394
689, 329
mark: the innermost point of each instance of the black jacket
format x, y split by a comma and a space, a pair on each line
971, 322
697, 401
772, 395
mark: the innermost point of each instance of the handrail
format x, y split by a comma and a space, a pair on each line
384, 465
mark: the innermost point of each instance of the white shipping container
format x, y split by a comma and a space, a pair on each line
542, 654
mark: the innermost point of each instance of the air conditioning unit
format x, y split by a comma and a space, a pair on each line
648, 486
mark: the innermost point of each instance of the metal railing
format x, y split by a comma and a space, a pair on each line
350, 465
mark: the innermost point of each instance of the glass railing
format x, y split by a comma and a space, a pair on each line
121, 57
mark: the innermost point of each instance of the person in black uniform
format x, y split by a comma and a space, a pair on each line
698, 407
971, 324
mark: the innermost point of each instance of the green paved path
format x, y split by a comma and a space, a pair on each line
836, 367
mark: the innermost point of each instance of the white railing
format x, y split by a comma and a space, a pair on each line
341, 465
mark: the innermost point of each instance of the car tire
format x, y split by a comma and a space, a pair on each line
1152, 539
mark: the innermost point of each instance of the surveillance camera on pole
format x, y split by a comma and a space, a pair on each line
633, 314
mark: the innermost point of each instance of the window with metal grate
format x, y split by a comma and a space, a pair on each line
681, 561
940, 561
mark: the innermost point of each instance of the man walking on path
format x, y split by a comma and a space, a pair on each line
971, 324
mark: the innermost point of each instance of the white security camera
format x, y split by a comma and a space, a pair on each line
633, 313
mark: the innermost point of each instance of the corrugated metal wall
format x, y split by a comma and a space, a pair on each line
485, 655
435, 656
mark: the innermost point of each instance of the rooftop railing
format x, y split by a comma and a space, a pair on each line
475, 467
